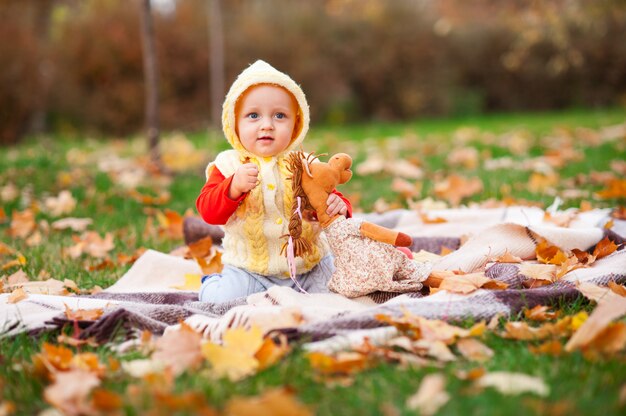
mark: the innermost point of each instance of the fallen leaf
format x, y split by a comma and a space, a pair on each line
612, 339
427, 220
22, 224
474, 350
600, 318
270, 352
552, 347
17, 295
275, 402
170, 224
466, 157
76, 342
540, 313
17, 278
47, 287
454, 188
522, 331
572, 263
92, 244
160, 199
430, 396
467, 283
549, 254
540, 183
64, 203
507, 257
406, 188
70, 390
619, 289
179, 350
616, 188
192, 282
341, 363
514, 383
235, 359
595, 292
106, 401
19, 261
604, 248
75, 224
83, 314
142, 367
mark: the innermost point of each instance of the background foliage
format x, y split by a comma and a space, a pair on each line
67, 65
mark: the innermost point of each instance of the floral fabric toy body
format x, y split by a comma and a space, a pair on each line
366, 260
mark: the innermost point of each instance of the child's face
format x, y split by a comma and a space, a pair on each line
266, 116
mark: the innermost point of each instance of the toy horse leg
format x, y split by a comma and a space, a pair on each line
385, 235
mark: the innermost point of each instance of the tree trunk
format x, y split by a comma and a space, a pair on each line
151, 83
216, 60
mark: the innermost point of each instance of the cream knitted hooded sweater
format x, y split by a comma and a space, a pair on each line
253, 233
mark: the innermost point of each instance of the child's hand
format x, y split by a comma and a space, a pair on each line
336, 205
245, 179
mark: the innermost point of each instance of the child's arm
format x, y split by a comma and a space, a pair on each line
213, 203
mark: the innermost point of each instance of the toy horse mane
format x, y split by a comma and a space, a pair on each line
296, 162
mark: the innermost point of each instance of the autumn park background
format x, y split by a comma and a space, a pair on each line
110, 110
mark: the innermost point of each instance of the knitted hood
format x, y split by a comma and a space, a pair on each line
263, 73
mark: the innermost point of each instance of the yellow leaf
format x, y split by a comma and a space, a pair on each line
235, 359
192, 282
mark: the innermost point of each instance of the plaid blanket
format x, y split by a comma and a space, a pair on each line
144, 298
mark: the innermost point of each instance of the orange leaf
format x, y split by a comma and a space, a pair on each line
343, 363
549, 254
270, 352
604, 248
600, 318
17, 295
454, 188
279, 402
619, 289
22, 224
427, 220
552, 347
616, 188
540, 313
106, 400
83, 314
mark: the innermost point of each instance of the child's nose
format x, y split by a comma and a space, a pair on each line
267, 123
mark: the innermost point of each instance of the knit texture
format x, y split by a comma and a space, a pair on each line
253, 234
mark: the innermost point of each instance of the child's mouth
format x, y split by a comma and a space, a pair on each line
265, 138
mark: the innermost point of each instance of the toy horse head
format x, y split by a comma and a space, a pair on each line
312, 182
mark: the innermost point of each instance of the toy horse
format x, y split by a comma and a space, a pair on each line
366, 260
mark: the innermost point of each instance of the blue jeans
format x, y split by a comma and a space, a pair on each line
234, 282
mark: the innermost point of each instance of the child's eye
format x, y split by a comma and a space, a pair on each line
280, 115
253, 115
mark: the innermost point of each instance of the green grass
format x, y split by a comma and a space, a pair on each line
578, 385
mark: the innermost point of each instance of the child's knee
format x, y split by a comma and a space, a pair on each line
209, 291
231, 284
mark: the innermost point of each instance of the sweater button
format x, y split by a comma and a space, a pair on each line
271, 186
279, 221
